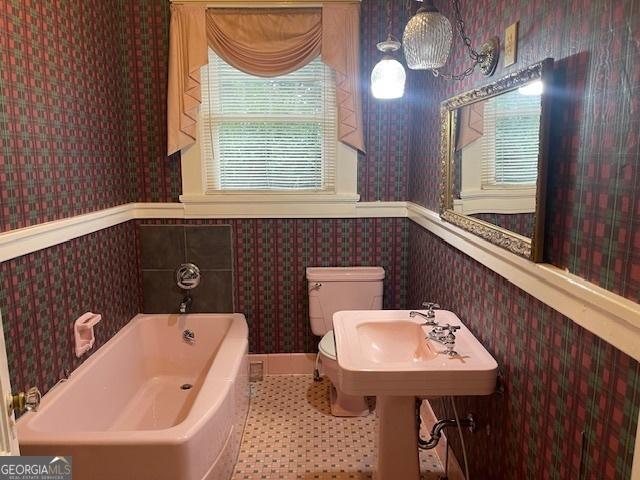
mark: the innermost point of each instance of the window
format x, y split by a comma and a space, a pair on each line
510, 142
268, 134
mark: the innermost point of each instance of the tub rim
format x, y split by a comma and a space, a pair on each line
218, 382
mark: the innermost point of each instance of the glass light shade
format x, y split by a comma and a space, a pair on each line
427, 40
387, 79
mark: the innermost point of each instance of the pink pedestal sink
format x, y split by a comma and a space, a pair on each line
385, 353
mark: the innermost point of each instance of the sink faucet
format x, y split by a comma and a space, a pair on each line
444, 334
430, 316
185, 305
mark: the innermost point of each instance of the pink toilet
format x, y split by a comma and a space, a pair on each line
332, 289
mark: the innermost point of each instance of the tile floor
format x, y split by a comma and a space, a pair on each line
290, 434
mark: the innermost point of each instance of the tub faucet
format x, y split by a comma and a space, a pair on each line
185, 305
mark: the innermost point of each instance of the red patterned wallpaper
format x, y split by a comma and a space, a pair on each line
382, 172
561, 380
144, 37
594, 183
62, 148
82, 108
269, 261
44, 292
82, 127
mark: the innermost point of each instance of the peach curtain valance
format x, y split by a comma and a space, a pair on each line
264, 42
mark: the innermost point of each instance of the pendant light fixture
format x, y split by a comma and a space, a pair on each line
388, 76
427, 43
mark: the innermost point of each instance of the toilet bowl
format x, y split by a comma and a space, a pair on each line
332, 289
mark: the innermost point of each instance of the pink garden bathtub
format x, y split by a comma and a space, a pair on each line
127, 412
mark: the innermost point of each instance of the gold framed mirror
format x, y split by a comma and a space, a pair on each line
493, 149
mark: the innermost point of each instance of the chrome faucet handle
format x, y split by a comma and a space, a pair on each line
441, 328
187, 276
446, 326
430, 319
445, 335
430, 306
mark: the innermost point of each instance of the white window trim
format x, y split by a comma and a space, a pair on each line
504, 201
478, 198
338, 203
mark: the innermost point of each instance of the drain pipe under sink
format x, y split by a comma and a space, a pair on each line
436, 432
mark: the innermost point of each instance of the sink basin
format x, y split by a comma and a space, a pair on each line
394, 342
385, 352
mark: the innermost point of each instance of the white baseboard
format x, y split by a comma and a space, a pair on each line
285, 363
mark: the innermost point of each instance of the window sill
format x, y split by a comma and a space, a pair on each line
503, 201
270, 205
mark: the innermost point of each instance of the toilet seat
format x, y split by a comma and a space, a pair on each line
327, 345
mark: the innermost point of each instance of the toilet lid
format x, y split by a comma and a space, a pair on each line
327, 345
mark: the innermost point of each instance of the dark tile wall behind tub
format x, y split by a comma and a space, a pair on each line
269, 261
83, 127
164, 247
560, 380
43, 293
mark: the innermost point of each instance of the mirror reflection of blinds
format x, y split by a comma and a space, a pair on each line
511, 139
268, 133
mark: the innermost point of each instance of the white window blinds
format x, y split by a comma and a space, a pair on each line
511, 139
268, 133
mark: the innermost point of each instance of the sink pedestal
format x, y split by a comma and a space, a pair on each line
397, 439
384, 353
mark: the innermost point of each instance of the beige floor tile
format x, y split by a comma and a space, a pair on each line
290, 434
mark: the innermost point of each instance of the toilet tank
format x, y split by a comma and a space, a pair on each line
332, 289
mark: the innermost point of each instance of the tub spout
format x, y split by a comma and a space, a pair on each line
185, 305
